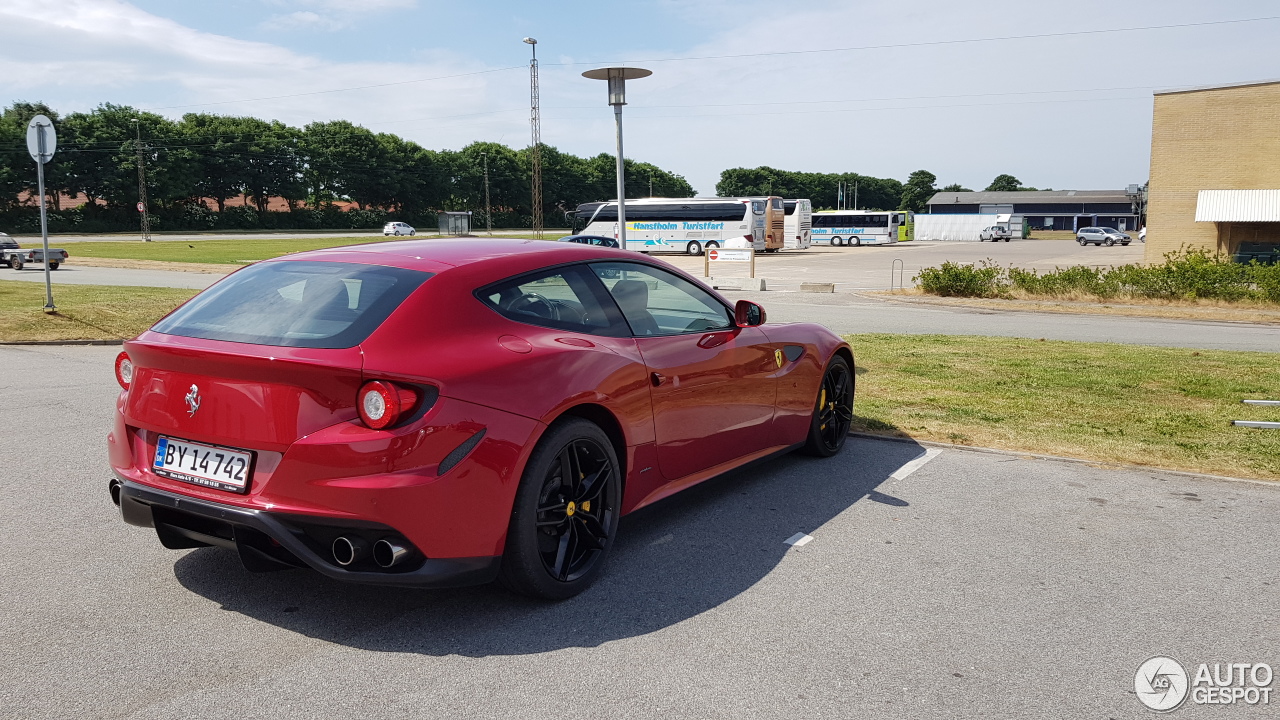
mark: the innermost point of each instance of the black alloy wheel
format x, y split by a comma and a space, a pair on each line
565, 514
833, 411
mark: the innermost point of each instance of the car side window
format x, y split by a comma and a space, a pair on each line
562, 298
656, 302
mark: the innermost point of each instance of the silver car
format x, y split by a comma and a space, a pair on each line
995, 233
398, 228
1101, 236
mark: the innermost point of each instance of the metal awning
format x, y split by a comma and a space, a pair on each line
1238, 206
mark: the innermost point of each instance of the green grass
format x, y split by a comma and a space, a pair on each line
1164, 407
85, 312
223, 252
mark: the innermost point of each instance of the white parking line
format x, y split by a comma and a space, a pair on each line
798, 539
902, 472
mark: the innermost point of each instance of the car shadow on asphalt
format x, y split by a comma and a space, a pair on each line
672, 561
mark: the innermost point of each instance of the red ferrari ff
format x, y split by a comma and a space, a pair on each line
445, 412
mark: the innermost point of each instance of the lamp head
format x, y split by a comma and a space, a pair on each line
531, 41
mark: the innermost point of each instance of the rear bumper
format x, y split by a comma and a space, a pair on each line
271, 541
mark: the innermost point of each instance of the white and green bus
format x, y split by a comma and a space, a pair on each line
842, 228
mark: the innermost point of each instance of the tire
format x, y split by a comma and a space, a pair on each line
545, 555
857, 241
694, 248
1109, 242
1126, 244
412, 233
837, 242
1081, 241
15, 263
832, 411
53, 265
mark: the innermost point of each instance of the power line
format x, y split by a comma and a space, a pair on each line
930, 43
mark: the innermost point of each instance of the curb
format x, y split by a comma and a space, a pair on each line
866, 295
38, 343
1059, 458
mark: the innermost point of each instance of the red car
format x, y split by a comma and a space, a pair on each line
449, 412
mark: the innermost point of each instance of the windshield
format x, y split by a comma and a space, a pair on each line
295, 304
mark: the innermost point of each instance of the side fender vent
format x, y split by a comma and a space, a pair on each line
793, 352
456, 455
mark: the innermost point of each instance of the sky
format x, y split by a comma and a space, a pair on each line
1058, 95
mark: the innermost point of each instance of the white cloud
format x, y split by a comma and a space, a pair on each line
330, 15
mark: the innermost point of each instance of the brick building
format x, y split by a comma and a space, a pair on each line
1215, 168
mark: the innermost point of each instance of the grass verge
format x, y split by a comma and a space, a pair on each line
222, 252
85, 312
1164, 407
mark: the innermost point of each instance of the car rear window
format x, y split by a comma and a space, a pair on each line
295, 304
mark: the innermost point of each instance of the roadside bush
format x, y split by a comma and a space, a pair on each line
1190, 275
962, 280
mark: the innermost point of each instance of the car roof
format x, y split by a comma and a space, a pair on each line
504, 256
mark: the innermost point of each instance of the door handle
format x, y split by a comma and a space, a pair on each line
657, 378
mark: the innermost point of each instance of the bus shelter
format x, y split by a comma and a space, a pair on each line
455, 223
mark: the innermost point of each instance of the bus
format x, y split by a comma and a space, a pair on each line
798, 225
688, 225
775, 223
841, 228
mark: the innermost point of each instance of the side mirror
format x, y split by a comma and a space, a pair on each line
748, 314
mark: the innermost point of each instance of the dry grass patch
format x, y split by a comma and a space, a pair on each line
1199, 309
85, 312
1165, 407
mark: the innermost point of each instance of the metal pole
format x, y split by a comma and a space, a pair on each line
535, 155
142, 184
488, 214
44, 218
622, 181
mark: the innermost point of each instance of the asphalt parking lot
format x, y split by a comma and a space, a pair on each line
978, 585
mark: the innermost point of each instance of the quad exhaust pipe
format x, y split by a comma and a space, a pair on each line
347, 550
389, 554
386, 553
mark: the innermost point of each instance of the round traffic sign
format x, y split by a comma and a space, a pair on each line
713, 254
41, 129
141, 207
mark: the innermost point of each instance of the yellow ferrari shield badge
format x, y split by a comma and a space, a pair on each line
777, 356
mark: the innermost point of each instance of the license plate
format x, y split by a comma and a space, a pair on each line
200, 464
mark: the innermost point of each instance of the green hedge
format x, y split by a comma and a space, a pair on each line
1182, 276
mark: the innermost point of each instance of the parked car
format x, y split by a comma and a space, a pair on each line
995, 233
7, 242
597, 240
451, 412
1101, 236
398, 228
1142, 234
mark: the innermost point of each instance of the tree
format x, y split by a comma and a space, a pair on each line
954, 187
917, 191
1005, 183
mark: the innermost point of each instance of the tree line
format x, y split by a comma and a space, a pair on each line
207, 171
859, 192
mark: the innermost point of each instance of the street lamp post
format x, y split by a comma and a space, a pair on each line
618, 77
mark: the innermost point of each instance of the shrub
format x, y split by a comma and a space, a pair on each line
962, 280
1188, 275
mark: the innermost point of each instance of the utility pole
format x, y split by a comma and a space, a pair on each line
488, 214
535, 156
855, 194
142, 184
650, 184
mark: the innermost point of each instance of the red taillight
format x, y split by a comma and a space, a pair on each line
124, 370
382, 403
